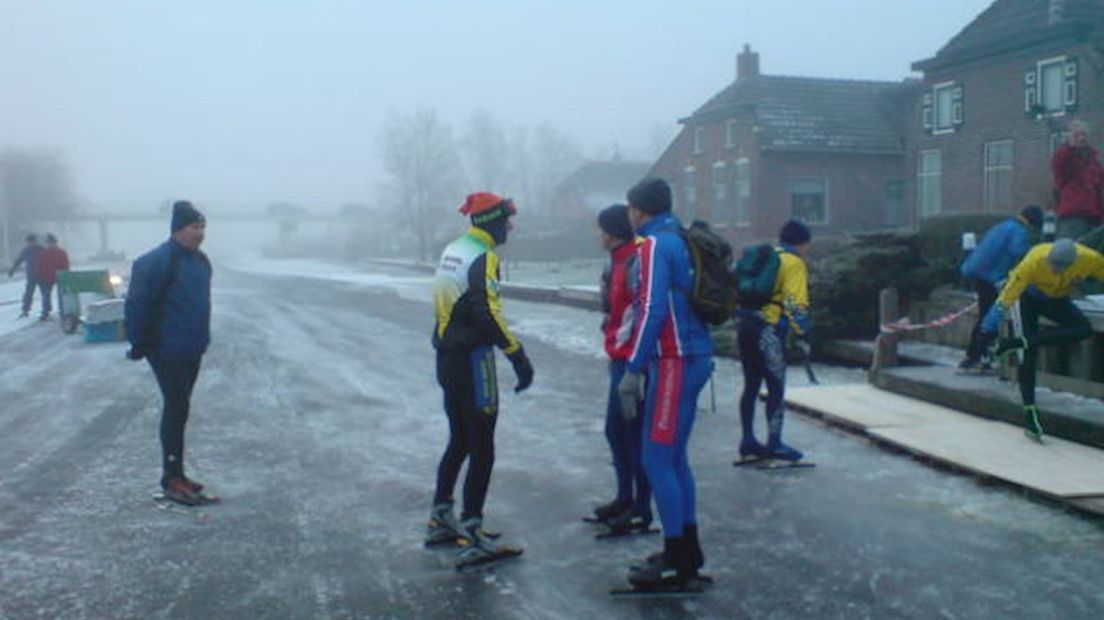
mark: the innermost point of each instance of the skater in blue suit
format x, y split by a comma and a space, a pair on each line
672, 345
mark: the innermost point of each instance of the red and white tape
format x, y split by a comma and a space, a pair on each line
905, 325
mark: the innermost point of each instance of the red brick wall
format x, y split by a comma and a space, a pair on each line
993, 109
855, 183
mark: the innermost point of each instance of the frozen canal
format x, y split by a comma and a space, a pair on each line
318, 419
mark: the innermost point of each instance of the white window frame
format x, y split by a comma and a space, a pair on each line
690, 190
730, 134
696, 145
741, 192
937, 89
826, 202
1040, 86
921, 176
989, 171
720, 186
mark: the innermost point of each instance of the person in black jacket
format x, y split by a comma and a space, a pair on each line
469, 326
28, 257
168, 322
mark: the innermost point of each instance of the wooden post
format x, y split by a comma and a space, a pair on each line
885, 350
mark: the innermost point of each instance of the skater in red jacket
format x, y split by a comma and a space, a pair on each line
52, 260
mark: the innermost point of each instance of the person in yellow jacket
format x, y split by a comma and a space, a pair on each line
470, 324
1042, 283
761, 336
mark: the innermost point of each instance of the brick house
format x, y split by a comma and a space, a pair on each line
996, 100
766, 148
594, 185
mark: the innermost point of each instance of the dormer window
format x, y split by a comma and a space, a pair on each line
942, 108
1050, 87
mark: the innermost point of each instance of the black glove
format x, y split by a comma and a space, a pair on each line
522, 368
136, 353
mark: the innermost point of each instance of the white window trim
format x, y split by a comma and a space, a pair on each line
986, 168
920, 180
936, 130
1060, 60
730, 132
827, 197
690, 172
696, 144
736, 190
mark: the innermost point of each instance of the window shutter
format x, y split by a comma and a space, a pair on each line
926, 113
1069, 84
1031, 92
956, 106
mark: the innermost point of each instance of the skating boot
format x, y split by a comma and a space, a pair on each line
442, 527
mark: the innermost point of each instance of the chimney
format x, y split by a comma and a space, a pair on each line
747, 64
1056, 11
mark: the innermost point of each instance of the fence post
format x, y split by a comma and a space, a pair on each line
885, 346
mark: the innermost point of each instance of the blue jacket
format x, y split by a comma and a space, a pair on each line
184, 328
28, 256
1000, 249
666, 324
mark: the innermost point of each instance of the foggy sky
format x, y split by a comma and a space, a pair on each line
248, 102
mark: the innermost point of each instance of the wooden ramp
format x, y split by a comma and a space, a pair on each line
1058, 469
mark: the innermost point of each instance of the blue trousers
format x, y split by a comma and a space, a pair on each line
669, 411
763, 359
624, 437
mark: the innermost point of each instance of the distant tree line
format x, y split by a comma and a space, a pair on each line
428, 168
35, 185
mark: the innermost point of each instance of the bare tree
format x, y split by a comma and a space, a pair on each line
35, 186
487, 155
423, 171
554, 155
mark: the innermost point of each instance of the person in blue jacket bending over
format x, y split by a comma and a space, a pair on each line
168, 323
672, 345
987, 267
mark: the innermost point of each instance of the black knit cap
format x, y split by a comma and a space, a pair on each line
184, 214
794, 233
614, 221
1033, 214
652, 195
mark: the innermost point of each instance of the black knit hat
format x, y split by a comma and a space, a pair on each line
651, 195
614, 221
794, 233
1033, 214
184, 214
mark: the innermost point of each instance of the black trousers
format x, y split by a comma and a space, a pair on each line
28, 294
986, 294
176, 378
46, 290
470, 388
1071, 327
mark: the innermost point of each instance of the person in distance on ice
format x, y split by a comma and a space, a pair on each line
762, 336
1042, 283
29, 258
470, 324
631, 508
168, 323
987, 266
671, 343
52, 260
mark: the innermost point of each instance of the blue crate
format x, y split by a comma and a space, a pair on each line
108, 331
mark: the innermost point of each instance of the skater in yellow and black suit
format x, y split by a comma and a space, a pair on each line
469, 325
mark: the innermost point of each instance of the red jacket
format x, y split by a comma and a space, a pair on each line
617, 300
52, 260
1079, 182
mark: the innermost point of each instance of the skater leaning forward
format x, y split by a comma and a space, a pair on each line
469, 326
1042, 283
762, 337
673, 348
168, 323
631, 508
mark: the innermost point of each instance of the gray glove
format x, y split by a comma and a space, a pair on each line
631, 393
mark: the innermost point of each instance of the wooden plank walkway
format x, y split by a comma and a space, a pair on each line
1057, 469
